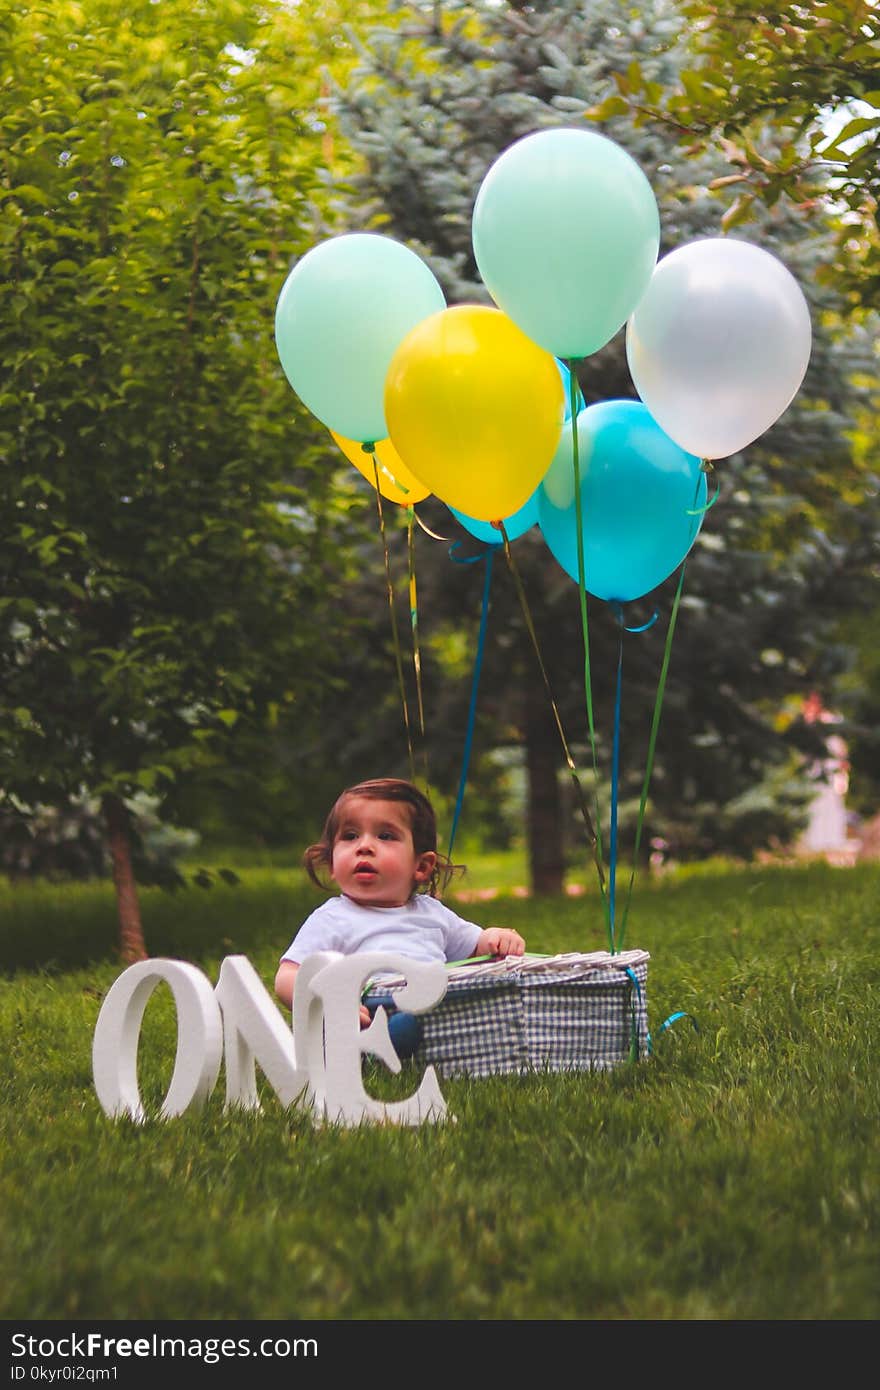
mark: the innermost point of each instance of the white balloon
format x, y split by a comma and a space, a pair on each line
719, 344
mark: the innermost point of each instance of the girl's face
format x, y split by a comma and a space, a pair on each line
374, 861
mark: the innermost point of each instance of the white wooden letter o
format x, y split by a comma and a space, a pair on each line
199, 1038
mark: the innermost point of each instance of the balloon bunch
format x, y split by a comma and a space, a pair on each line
472, 403
479, 405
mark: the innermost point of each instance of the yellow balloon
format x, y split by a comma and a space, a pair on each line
479, 405
395, 480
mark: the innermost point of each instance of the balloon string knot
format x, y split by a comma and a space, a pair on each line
369, 448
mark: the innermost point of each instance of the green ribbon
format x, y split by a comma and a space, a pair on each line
395, 635
417, 653
582, 594
592, 833
658, 706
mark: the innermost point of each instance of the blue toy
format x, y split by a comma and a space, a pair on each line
405, 1030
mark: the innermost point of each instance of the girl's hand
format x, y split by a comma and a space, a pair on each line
366, 1017
500, 941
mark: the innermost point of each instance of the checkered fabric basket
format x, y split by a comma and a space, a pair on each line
572, 1012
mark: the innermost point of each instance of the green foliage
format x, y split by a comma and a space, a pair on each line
166, 544
69, 842
861, 690
806, 77
733, 1176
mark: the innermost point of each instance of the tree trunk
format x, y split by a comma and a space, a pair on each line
131, 936
544, 814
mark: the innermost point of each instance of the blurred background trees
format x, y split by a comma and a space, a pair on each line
193, 598
170, 544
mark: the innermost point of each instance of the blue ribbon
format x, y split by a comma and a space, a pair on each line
617, 609
615, 779
668, 1022
488, 555
643, 627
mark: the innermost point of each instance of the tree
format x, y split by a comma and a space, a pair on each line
433, 103
788, 93
167, 515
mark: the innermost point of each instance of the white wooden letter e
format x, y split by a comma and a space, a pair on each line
337, 981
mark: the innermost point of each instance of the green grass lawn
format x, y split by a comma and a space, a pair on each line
734, 1175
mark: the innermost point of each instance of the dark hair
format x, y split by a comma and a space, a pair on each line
423, 824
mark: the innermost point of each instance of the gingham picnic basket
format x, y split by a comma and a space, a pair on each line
570, 1012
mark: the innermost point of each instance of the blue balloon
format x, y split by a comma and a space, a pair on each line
514, 525
638, 490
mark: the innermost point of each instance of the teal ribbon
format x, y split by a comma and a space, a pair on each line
635, 999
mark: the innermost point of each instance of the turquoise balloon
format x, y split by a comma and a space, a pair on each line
342, 313
637, 490
515, 525
566, 233
566, 382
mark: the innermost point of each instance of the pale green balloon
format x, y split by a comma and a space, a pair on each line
342, 313
566, 234
558, 481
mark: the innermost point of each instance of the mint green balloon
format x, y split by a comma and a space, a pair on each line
342, 313
566, 234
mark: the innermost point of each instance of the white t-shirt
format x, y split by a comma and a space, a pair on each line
422, 929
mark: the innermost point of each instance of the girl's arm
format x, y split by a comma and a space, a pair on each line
499, 941
284, 981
